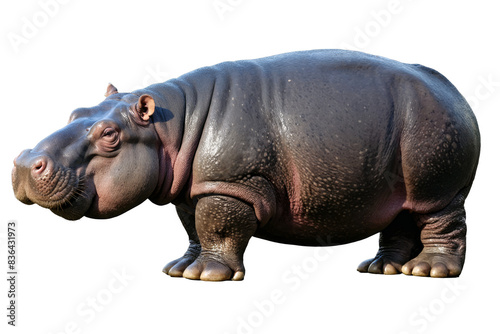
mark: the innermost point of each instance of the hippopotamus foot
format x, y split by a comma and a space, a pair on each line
398, 243
206, 266
194, 265
210, 267
176, 268
443, 237
434, 264
224, 225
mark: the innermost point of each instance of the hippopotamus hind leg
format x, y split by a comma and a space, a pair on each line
423, 244
443, 237
398, 243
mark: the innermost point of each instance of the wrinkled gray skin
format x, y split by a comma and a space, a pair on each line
309, 148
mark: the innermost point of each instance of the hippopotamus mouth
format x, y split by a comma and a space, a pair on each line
37, 180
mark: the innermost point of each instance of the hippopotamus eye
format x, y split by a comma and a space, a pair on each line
109, 133
109, 139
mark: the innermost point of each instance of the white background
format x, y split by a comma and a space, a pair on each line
65, 61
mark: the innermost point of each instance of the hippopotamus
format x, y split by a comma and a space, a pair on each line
314, 148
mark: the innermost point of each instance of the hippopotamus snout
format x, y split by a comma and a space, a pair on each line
36, 178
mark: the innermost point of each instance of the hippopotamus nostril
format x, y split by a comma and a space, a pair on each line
39, 166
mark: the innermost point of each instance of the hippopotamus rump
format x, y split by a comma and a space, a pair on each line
316, 148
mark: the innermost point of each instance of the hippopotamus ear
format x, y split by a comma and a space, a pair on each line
145, 107
111, 90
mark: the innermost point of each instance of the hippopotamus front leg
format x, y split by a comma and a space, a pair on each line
176, 268
224, 225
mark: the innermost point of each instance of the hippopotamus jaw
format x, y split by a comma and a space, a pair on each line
77, 205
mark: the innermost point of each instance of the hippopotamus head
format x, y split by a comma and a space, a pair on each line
101, 164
